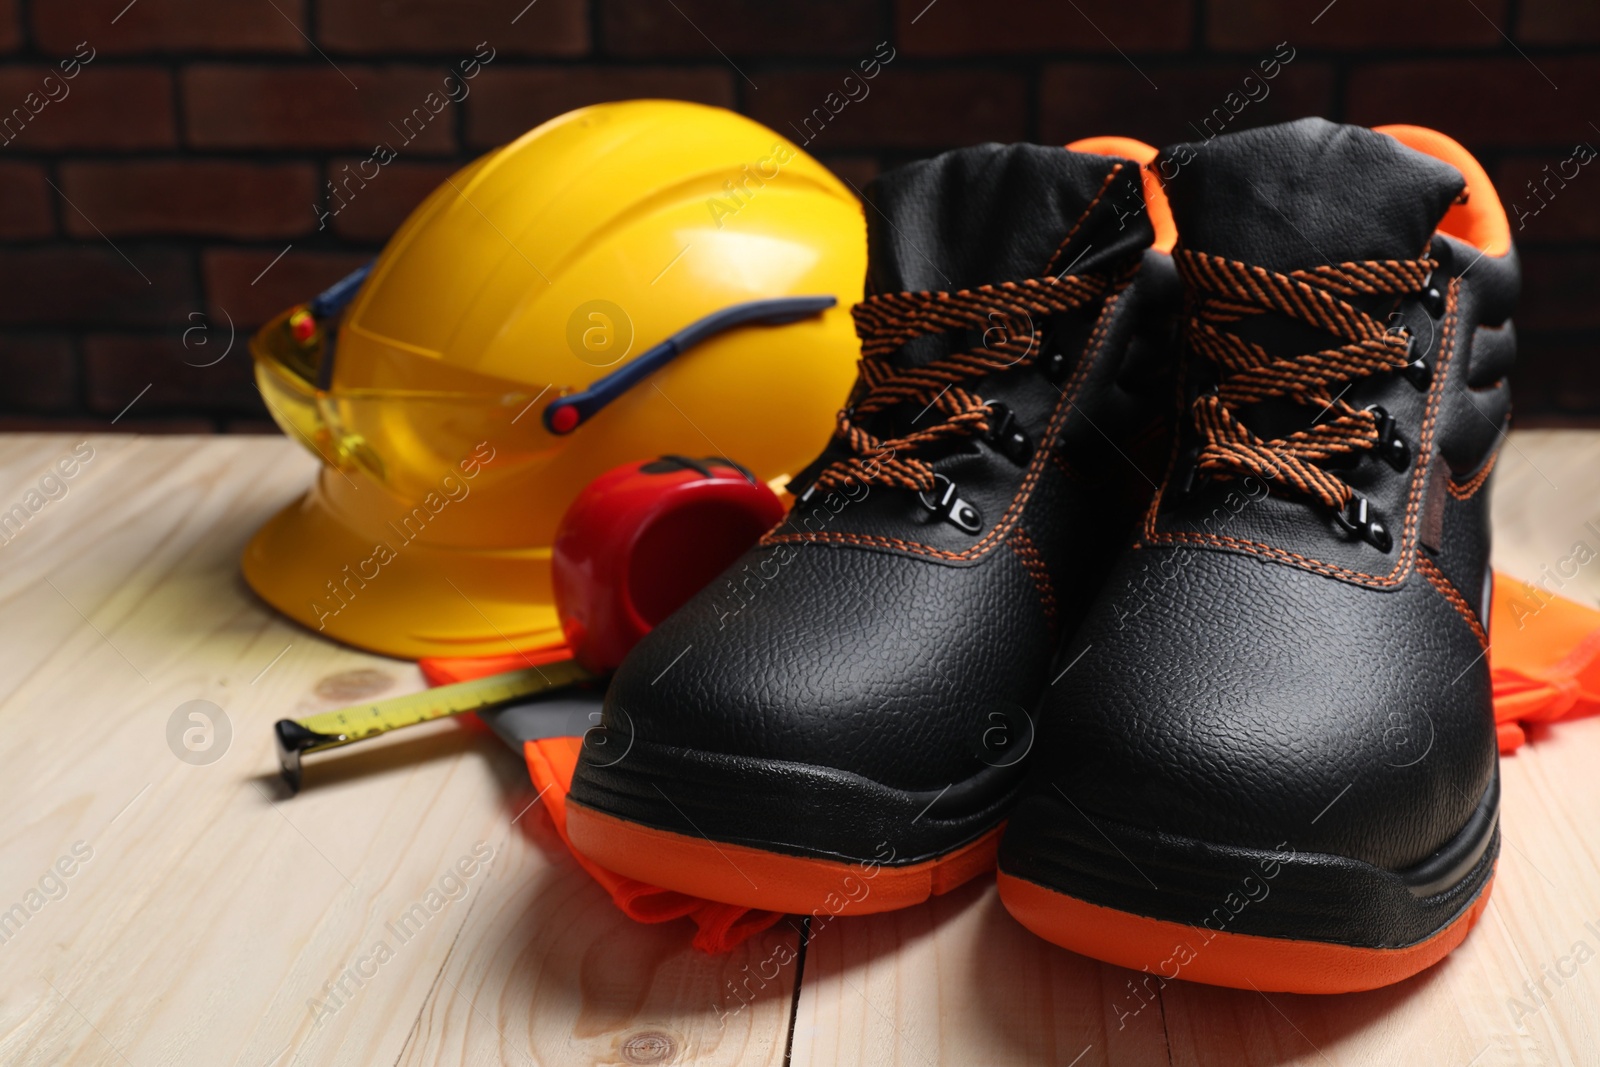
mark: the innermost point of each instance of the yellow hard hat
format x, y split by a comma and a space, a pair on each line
617, 284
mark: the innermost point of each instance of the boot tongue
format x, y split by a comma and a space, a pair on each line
1307, 193
997, 213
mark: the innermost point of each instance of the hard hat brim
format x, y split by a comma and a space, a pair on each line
414, 600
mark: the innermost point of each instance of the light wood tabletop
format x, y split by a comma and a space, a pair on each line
179, 911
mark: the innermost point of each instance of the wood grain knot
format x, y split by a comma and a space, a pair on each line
649, 1046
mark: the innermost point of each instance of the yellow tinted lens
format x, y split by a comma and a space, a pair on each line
409, 420
292, 402
410, 440
405, 421
286, 370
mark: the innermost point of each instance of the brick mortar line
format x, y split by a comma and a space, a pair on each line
777, 61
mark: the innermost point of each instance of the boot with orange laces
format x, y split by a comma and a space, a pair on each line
840, 720
1270, 760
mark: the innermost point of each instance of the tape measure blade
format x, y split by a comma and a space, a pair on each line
365, 720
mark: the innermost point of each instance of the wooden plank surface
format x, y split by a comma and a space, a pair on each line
959, 983
210, 915
208, 920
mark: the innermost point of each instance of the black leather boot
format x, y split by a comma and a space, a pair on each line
841, 719
1270, 760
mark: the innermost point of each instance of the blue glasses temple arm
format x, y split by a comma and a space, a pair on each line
603, 391
333, 299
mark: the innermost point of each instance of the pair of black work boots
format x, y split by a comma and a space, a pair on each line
1159, 569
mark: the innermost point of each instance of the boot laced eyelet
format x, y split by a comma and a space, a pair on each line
1190, 478
1358, 519
1055, 365
1006, 435
946, 503
1431, 298
1391, 446
1415, 369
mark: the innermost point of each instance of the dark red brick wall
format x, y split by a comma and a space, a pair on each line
173, 183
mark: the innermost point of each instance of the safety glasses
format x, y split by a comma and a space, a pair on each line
393, 426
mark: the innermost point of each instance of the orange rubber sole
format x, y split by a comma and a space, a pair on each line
771, 881
1242, 961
